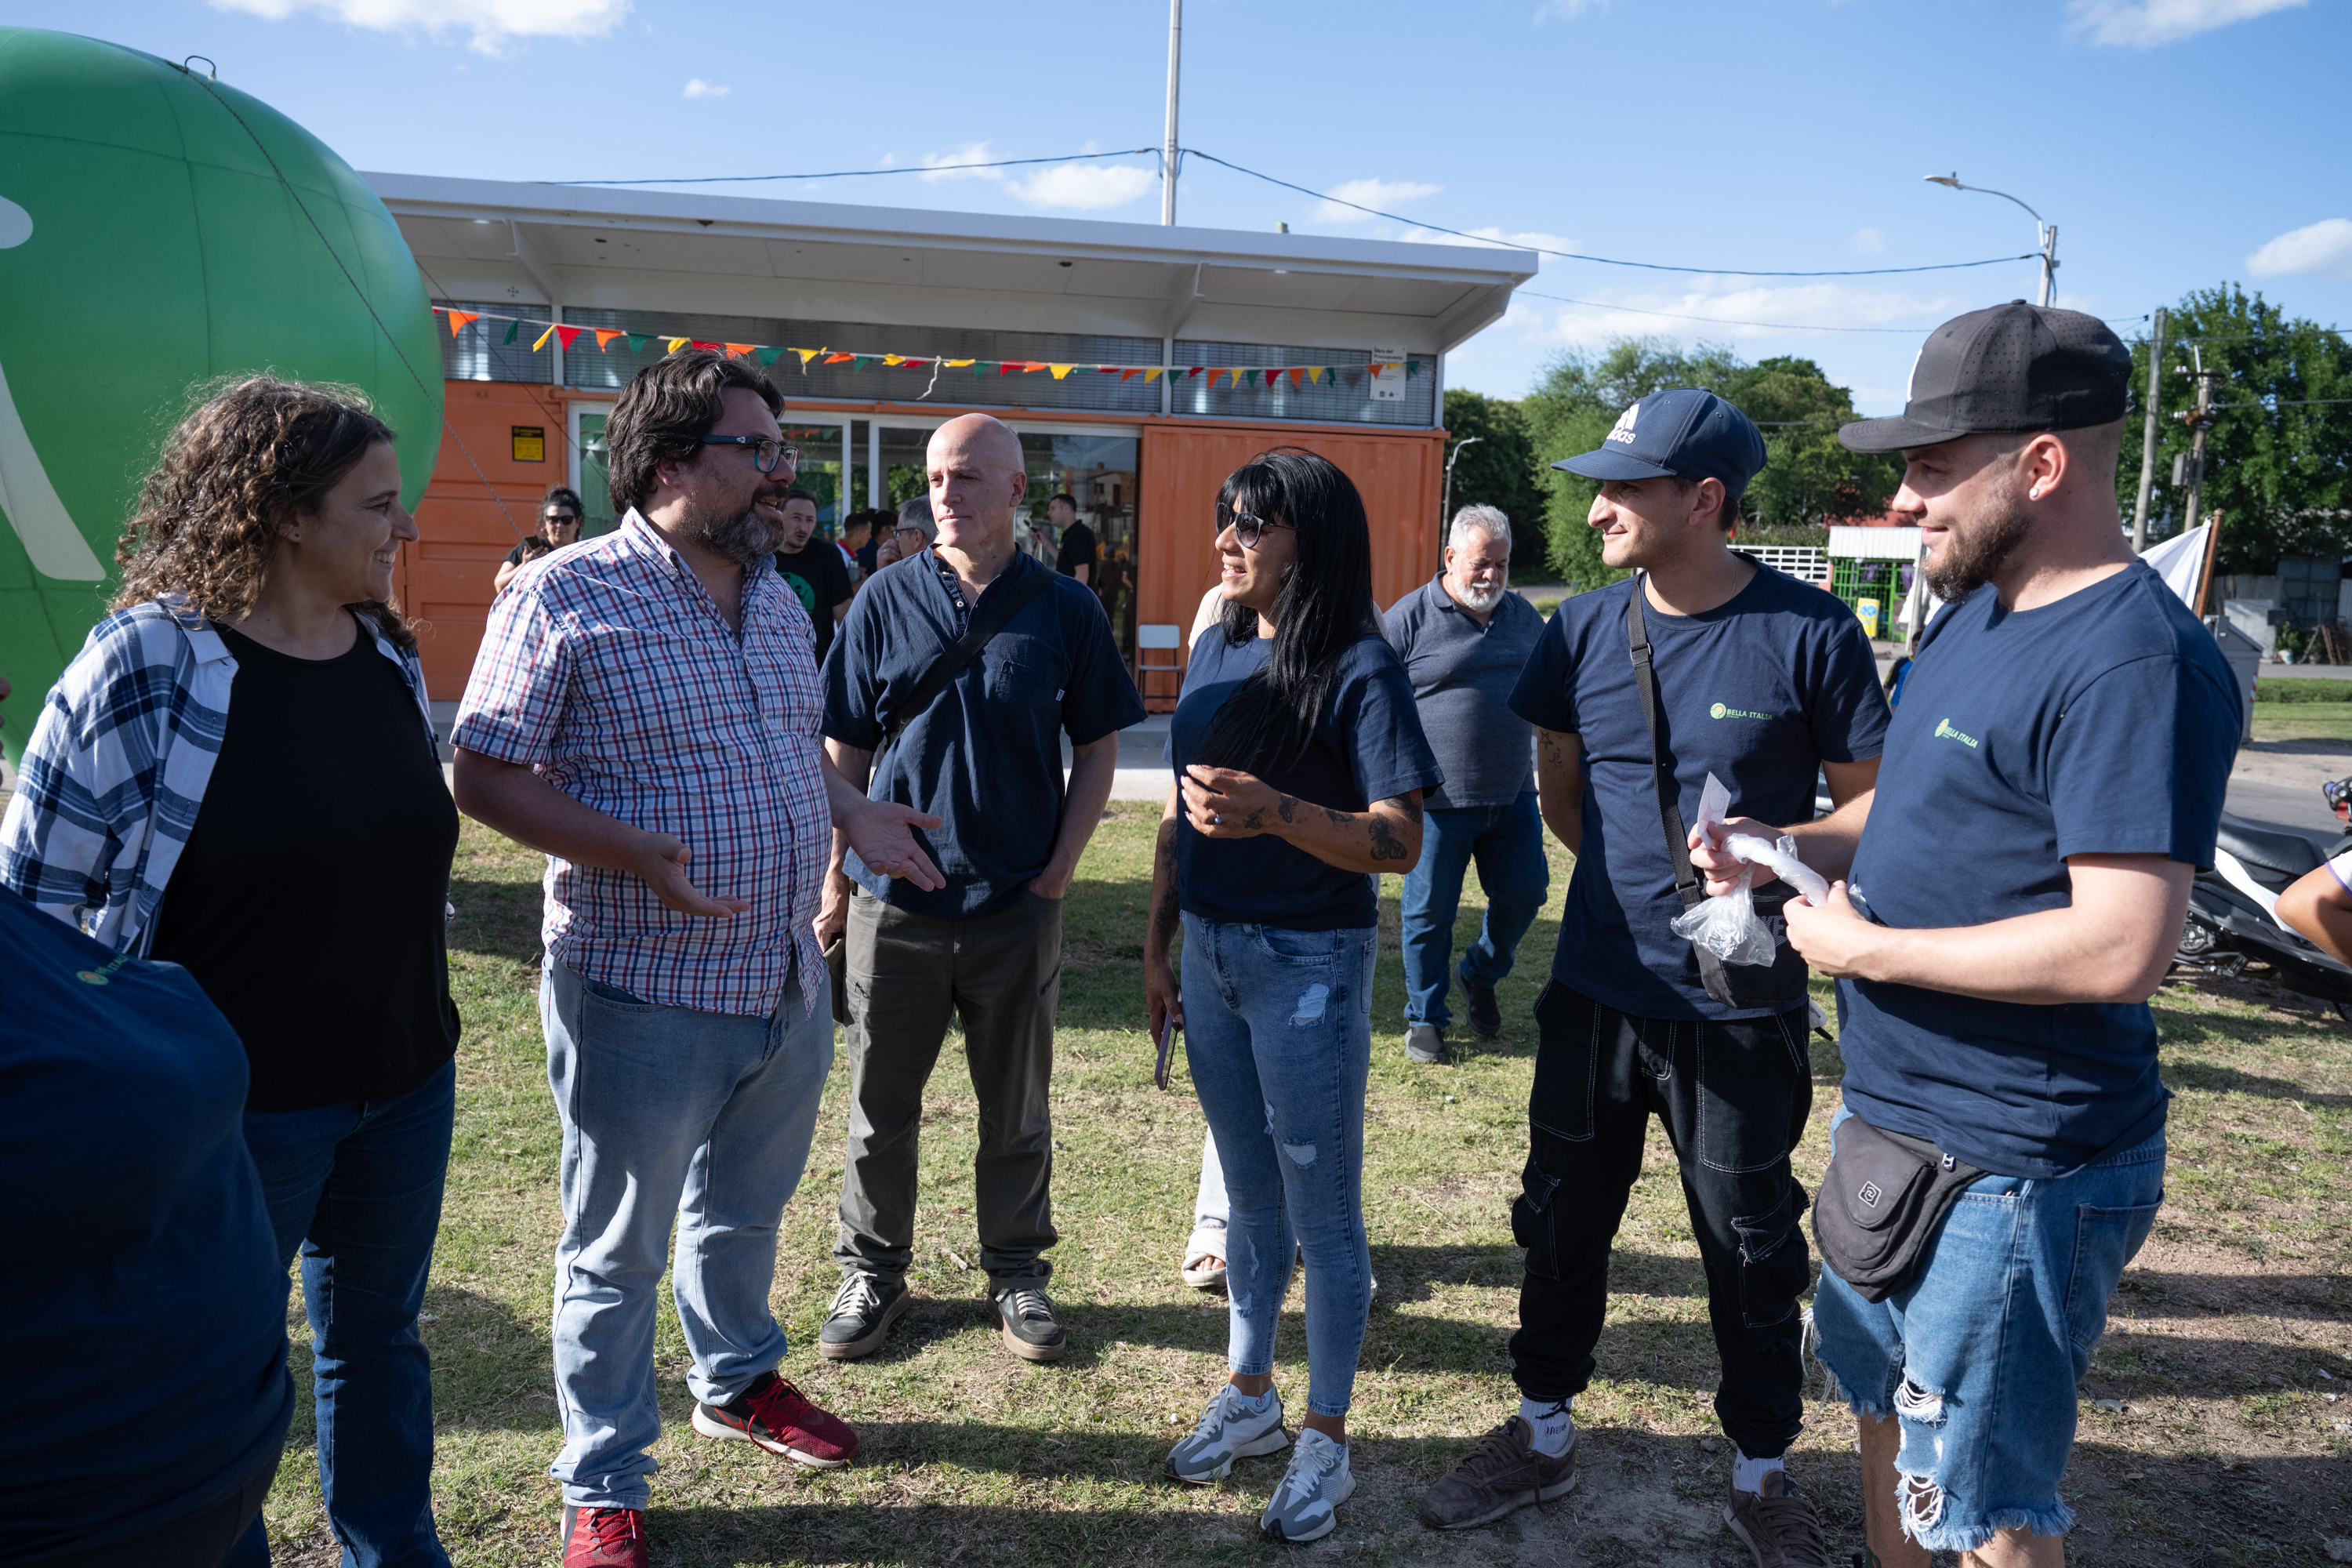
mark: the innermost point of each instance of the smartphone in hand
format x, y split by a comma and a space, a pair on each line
1168, 1033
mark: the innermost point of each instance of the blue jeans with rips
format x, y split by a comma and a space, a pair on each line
668, 1112
1979, 1355
1278, 1032
356, 1190
1507, 842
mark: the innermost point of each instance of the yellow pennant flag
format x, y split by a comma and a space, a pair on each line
806, 355
677, 343
894, 359
958, 364
1151, 376
1061, 371
543, 340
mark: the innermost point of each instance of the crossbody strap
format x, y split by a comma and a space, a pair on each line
995, 613
1662, 782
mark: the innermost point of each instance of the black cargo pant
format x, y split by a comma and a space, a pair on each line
1734, 1097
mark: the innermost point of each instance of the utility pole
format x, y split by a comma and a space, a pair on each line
2147, 435
1445, 518
1167, 151
2190, 470
2049, 264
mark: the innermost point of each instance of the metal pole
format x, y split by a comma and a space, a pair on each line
2147, 435
2049, 265
1445, 518
876, 492
1168, 152
2199, 419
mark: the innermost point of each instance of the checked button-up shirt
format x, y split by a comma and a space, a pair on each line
608, 670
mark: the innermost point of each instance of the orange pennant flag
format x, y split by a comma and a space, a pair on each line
1127, 375
1297, 372
739, 351
458, 319
605, 336
837, 359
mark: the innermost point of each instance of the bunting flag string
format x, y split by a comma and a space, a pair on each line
1235, 376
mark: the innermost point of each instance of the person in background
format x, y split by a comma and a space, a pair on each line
238, 774
1763, 684
915, 530
560, 520
1079, 554
857, 534
984, 755
1464, 637
1300, 768
813, 568
157, 1231
865, 535
885, 544
2319, 905
644, 711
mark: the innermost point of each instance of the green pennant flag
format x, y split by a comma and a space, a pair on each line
513, 328
770, 356
637, 342
859, 362
1412, 368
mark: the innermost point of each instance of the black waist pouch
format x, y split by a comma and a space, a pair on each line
1882, 1198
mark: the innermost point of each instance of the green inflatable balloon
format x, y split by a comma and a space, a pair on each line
154, 237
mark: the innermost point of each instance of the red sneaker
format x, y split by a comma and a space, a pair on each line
779, 1418
603, 1538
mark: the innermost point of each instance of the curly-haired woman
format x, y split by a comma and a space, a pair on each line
237, 774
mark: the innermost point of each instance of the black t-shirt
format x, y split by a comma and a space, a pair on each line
522, 553
1078, 550
818, 575
866, 553
310, 900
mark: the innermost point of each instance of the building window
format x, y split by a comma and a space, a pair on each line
1345, 399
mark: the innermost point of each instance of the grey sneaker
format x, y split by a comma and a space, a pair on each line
1228, 1430
863, 1310
1031, 1330
1779, 1525
1503, 1472
1306, 1506
1425, 1044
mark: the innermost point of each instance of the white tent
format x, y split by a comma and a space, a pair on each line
2180, 561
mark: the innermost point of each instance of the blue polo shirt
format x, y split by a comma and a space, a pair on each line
987, 754
1462, 674
144, 1301
2102, 724
1759, 691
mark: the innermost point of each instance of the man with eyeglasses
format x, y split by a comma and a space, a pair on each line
645, 710
559, 524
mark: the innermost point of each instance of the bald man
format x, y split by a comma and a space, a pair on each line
961, 669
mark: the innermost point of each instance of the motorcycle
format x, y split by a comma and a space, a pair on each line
2233, 908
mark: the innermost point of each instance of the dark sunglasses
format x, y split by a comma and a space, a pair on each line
765, 454
1247, 530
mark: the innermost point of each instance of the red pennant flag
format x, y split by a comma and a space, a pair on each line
1194, 371
459, 321
739, 351
700, 344
1007, 367
914, 364
565, 335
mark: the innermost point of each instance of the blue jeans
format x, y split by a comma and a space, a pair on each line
1979, 1355
1278, 1032
356, 1188
668, 1111
1508, 844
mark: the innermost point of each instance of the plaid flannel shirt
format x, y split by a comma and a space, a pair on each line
118, 764
608, 670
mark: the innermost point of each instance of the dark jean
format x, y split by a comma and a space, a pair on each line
356, 1188
1507, 843
1001, 975
1734, 1096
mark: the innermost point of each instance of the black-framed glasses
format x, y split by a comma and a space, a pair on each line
765, 454
1247, 530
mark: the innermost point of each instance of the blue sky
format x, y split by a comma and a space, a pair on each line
2176, 142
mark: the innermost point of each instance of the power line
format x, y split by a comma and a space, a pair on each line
851, 173
1607, 260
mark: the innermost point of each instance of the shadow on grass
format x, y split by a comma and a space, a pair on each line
2215, 1078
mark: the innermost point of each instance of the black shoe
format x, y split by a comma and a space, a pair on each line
1031, 1330
862, 1314
1486, 1016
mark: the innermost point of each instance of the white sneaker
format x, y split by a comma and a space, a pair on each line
1306, 1506
1229, 1430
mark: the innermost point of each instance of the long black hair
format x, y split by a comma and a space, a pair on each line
1324, 609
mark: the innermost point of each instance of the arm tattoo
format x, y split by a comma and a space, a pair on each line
1288, 809
1385, 844
1255, 820
1410, 804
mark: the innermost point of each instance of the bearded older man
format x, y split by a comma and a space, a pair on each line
961, 669
1464, 637
645, 709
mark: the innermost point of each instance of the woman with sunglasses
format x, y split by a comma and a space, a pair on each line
559, 525
1300, 767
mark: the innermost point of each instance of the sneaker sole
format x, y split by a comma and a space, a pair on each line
1436, 1060
1028, 1351
1519, 1500
720, 1429
850, 1349
1739, 1530
1330, 1522
1270, 1442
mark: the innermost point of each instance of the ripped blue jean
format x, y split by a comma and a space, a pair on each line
1979, 1354
1278, 1032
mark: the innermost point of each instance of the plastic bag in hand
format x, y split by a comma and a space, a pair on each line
1727, 926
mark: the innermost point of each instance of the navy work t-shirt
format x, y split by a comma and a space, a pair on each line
987, 754
1462, 674
144, 1302
1759, 691
2102, 724
1368, 746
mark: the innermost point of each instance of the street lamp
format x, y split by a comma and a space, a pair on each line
1448, 518
2047, 232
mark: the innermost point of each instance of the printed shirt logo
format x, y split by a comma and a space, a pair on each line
1720, 711
1623, 429
1944, 730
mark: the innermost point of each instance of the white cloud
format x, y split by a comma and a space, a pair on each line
970, 152
1086, 187
697, 87
492, 23
1368, 193
1865, 242
1567, 10
1726, 313
2144, 23
2323, 250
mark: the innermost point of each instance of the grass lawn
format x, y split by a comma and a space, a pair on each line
2211, 1433
2303, 721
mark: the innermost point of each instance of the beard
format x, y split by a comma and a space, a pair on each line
1976, 546
745, 536
1479, 599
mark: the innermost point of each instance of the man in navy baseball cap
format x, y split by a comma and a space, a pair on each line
1710, 664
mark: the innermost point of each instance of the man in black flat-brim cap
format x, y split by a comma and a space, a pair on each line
2014, 888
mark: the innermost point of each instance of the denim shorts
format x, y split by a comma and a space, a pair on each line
1979, 1354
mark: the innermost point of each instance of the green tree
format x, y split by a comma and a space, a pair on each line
1500, 470
2278, 463
1808, 477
